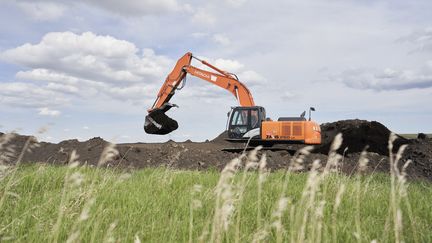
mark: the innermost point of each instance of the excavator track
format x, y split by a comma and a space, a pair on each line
290, 148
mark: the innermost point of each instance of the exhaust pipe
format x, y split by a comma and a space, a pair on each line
157, 122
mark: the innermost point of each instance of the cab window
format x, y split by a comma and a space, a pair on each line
240, 118
254, 119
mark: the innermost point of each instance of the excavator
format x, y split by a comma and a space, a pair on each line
246, 122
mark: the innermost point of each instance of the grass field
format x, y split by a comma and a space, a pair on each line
47, 203
414, 135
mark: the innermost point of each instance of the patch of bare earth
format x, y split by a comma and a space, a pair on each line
357, 135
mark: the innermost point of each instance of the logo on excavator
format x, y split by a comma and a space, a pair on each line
202, 74
207, 76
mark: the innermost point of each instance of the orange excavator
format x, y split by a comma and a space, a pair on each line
246, 122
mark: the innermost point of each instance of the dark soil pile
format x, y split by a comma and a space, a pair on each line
200, 156
419, 151
33, 151
357, 134
221, 138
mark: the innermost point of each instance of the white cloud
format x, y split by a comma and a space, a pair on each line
246, 76
221, 39
252, 78
62, 88
387, 79
235, 3
29, 95
228, 65
42, 11
287, 95
422, 39
139, 7
53, 9
85, 128
72, 65
89, 56
203, 16
45, 111
68, 68
218, 38
199, 35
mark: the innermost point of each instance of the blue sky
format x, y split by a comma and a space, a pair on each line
92, 68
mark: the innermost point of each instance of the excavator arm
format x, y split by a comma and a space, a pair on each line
157, 122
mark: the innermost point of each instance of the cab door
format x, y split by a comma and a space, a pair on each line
239, 123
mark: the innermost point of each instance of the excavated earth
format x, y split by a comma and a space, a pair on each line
357, 135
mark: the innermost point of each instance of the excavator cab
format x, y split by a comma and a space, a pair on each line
245, 122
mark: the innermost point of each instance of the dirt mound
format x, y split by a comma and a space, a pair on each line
422, 136
221, 138
200, 156
89, 151
419, 151
357, 134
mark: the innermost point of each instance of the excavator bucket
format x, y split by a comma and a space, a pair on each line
156, 122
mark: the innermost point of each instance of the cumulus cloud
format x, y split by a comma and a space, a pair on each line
422, 39
42, 11
247, 76
235, 3
287, 95
138, 7
53, 9
64, 68
252, 78
199, 34
89, 56
221, 39
203, 16
228, 65
84, 65
217, 38
387, 79
30, 95
45, 111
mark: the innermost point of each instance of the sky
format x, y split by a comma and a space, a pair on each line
82, 69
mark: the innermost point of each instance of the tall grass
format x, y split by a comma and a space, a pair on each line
242, 203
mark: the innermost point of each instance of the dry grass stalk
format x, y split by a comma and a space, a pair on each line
262, 174
224, 200
195, 204
334, 158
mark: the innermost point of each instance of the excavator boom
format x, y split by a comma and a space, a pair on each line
157, 122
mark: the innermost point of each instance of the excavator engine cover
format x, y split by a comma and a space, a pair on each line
156, 122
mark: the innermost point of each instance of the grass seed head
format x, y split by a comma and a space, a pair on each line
196, 204
137, 239
363, 161
337, 142
197, 188
108, 154
339, 195
391, 140
73, 237
76, 179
